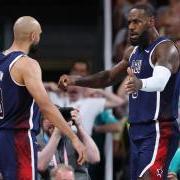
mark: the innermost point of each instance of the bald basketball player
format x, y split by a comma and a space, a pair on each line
22, 95
153, 85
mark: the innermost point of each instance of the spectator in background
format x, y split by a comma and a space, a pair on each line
57, 148
174, 168
104, 117
62, 172
57, 96
90, 107
119, 20
168, 21
80, 67
119, 45
104, 123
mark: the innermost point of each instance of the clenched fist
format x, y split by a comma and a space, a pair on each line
65, 81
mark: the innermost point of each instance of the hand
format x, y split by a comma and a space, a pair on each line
133, 83
81, 150
56, 132
76, 117
171, 176
64, 82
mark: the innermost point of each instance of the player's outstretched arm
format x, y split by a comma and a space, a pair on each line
30, 75
100, 79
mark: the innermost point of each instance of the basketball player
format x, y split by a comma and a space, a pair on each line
153, 84
21, 93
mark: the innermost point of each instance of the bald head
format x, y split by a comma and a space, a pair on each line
27, 28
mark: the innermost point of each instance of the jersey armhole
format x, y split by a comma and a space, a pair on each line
133, 51
151, 53
10, 67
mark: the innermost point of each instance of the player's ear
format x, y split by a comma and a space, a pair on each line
33, 36
151, 21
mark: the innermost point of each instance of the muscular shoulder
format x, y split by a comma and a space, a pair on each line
28, 63
128, 52
166, 54
25, 66
167, 47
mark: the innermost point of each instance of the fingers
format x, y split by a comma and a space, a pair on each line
130, 86
63, 82
130, 72
82, 158
81, 150
75, 114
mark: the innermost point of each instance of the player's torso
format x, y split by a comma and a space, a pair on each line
148, 106
17, 108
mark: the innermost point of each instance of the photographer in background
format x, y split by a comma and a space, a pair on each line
62, 172
55, 148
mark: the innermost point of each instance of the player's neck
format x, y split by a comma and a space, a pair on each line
150, 36
153, 35
19, 46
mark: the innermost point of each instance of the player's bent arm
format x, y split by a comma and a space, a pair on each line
45, 156
166, 60
93, 155
31, 75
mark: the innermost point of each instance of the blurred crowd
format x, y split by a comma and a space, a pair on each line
98, 111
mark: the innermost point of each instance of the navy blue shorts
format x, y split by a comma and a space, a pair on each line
153, 145
18, 155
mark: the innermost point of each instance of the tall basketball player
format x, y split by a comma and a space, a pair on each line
22, 94
152, 63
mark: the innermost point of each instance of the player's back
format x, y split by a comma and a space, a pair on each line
17, 108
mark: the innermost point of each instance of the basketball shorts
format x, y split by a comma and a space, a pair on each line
153, 145
18, 155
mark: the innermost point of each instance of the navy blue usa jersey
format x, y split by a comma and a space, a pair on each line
148, 106
17, 107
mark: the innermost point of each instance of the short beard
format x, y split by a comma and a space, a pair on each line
142, 41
